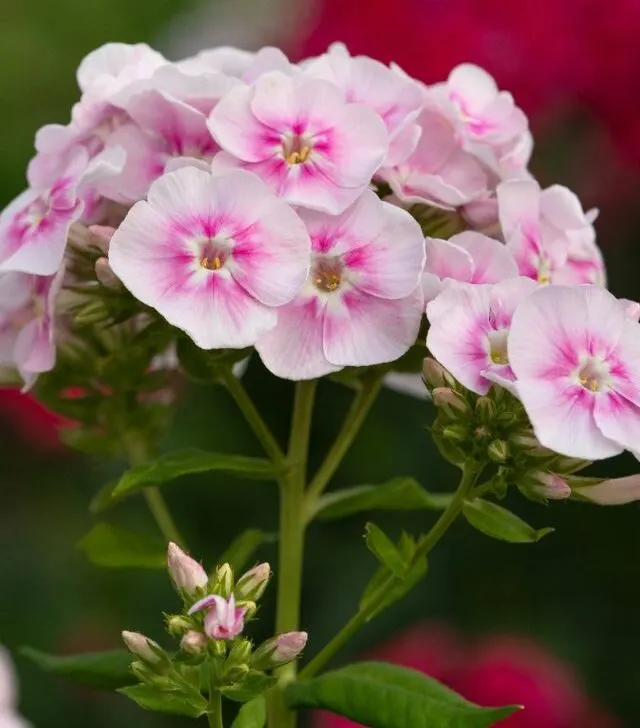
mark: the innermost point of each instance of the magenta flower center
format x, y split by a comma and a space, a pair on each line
594, 374
327, 273
296, 148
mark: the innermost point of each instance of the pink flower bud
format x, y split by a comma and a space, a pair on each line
187, 574
551, 486
140, 646
251, 584
101, 236
106, 276
433, 373
194, 642
614, 492
451, 402
279, 650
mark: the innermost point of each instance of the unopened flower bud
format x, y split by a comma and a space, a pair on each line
485, 409
194, 642
568, 466
457, 433
240, 652
142, 647
106, 276
498, 451
224, 580
550, 485
433, 373
92, 312
237, 673
101, 236
178, 625
279, 650
250, 609
452, 403
251, 584
187, 574
527, 441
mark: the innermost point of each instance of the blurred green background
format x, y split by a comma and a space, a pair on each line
577, 591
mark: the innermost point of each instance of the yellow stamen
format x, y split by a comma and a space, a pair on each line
327, 280
590, 383
499, 357
298, 157
211, 263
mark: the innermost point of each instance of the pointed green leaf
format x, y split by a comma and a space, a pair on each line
242, 548
398, 494
385, 550
114, 547
151, 698
495, 521
186, 462
382, 593
104, 670
379, 695
253, 685
252, 714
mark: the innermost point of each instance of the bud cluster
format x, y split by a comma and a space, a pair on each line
216, 609
493, 430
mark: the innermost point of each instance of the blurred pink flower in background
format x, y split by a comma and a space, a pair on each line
497, 670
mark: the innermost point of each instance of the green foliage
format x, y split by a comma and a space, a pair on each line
252, 715
114, 547
397, 494
104, 670
379, 695
190, 704
495, 521
186, 462
254, 684
385, 550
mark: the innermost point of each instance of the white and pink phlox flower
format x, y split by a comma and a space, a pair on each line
109, 69
551, 238
576, 357
9, 717
27, 313
34, 227
361, 304
223, 620
215, 255
395, 97
162, 129
470, 327
438, 172
298, 134
483, 113
468, 257
238, 64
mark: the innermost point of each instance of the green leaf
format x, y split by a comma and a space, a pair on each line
398, 494
385, 550
495, 521
387, 696
185, 462
104, 499
254, 684
114, 547
243, 547
103, 670
176, 703
252, 714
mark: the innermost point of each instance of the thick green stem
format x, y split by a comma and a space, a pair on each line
138, 452
253, 417
469, 477
214, 714
292, 529
350, 429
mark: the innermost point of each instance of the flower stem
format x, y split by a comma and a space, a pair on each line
469, 477
253, 417
138, 452
350, 428
292, 528
214, 714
